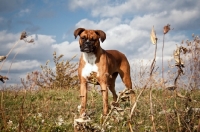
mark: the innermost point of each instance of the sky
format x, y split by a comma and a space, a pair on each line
127, 24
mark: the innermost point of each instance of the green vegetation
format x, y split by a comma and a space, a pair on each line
55, 110
49, 99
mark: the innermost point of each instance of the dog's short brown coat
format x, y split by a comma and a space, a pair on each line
106, 64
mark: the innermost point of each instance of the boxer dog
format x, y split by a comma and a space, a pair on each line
101, 65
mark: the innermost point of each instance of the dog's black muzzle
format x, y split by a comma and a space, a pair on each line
87, 47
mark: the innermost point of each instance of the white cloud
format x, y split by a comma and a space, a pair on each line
160, 19
103, 24
134, 7
24, 12
113, 10
23, 65
42, 44
67, 49
132, 39
127, 25
7, 37
73, 4
122, 36
30, 56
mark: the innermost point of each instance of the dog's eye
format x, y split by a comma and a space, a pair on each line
92, 40
83, 38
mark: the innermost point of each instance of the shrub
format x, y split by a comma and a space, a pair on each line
64, 75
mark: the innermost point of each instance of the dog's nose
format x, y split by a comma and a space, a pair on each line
87, 43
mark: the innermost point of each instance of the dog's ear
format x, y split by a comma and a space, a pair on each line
102, 34
78, 31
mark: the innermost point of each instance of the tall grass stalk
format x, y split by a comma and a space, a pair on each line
9, 53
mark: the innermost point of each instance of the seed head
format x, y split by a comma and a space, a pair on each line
166, 29
23, 35
153, 36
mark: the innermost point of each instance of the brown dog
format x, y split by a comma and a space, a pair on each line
103, 65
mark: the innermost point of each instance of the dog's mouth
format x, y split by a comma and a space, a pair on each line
87, 47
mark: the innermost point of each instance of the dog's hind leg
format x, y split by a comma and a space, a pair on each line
126, 78
112, 86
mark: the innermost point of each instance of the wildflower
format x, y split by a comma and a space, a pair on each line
9, 123
79, 108
60, 121
39, 115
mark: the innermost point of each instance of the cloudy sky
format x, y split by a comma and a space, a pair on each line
127, 24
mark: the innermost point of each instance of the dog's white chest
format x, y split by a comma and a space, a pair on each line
90, 65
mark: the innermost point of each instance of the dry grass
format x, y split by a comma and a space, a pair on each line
55, 110
49, 99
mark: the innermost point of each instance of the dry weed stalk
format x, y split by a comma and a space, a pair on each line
166, 29
2, 111
188, 113
116, 113
3, 58
193, 59
3, 78
123, 96
21, 115
179, 62
151, 110
23, 36
154, 41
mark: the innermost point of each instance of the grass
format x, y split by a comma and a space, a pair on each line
55, 109
43, 110
50, 100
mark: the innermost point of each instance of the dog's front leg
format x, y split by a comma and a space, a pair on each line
104, 89
83, 95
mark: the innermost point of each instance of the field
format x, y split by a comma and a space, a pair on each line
55, 110
49, 100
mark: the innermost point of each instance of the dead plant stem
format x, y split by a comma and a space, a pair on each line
163, 82
136, 101
9, 53
2, 110
162, 62
154, 60
151, 108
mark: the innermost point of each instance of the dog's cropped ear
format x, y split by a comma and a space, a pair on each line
78, 31
101, 34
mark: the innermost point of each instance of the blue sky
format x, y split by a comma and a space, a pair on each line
127, 24
40, 17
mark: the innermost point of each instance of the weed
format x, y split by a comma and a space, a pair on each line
49, 99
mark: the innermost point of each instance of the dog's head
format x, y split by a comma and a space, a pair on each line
89, 39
